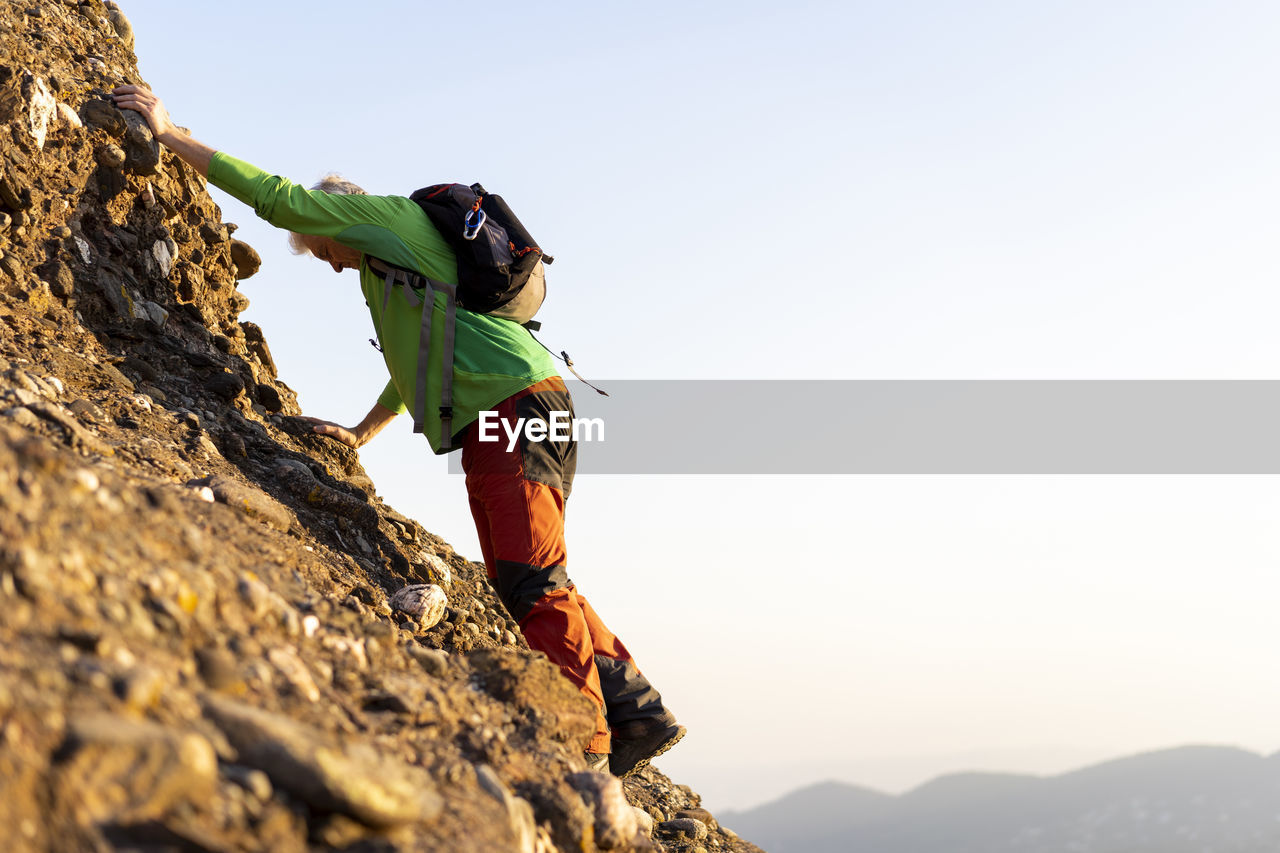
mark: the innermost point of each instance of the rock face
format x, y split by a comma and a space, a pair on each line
199, 648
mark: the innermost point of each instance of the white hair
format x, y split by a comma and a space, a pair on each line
330, 183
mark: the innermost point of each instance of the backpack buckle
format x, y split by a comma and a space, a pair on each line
446, 413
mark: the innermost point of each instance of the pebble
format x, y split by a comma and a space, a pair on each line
142, 152
69, 115
644, 820
255, 782
110, 155
616, 824
295, 672
23, 380
348, 778
353, 649
255, 594
225, 385
697, 814
251, 502
164, 252
133, 771
140, 688
424, 602
105, 116
211, 233
147, 310
207, 446
122, 26
684, 828
218, 667
41, 108
246, 259
519, 812
87, 480
299, 479
22, 417
434, 661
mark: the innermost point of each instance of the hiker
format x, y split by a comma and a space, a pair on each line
517, 496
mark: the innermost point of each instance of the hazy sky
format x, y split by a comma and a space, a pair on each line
829, 191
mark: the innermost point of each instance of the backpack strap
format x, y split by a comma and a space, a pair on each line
446, 369
393, 276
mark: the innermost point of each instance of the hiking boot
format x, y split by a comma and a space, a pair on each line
597, 761
639, 744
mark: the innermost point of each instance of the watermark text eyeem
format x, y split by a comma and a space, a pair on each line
559, 426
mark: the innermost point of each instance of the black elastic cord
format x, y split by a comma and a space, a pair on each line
568, 362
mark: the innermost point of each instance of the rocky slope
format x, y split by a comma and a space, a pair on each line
198, 649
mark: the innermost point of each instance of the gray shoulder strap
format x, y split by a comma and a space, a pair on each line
392, 277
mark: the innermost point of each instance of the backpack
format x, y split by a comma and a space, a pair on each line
499, 262
500, 273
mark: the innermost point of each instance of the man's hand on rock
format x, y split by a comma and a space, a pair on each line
329, 429
140, 99
143, 100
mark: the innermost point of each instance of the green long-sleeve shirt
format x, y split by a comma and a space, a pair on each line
493, 358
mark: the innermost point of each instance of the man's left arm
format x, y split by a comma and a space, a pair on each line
359, 435
193, 152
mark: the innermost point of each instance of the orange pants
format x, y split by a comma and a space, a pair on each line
518, 500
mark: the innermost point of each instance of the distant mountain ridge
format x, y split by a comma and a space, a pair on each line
1189, 799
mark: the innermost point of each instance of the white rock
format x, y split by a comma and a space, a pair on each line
41, 111
616, 822
425, 602
310, 624
164, 251
88, 480
295, 672
644, 820
153, 312
519, 813
69, 115
438, 568
347, 646
205, 494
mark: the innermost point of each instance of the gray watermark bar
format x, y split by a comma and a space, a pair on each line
958, 427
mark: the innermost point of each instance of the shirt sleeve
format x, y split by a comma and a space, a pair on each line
390, 399
286, 205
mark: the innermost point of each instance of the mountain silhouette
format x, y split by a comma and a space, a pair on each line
1189, 799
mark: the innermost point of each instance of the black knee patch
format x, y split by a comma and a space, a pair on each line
520, 585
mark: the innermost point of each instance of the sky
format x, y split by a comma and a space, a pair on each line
814, 190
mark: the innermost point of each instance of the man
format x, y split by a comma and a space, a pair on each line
517, 496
